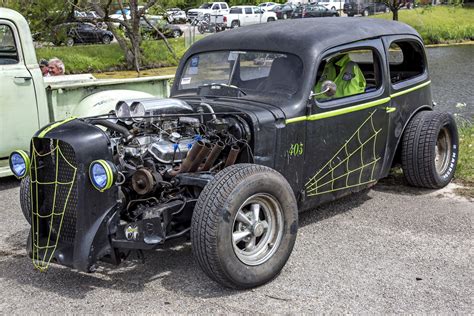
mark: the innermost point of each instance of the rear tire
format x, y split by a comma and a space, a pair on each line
234, 24
430, 147
285, 16
69, 41
235, 244
270, 20
25, 198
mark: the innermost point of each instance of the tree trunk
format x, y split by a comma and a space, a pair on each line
395, 14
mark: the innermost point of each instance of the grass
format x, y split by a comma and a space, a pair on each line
440, 24
465, 168
101, 58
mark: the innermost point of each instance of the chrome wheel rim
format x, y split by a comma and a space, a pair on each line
257, 229
443, 150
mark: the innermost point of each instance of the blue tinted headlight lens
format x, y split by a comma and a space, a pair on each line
19, 163
101, 174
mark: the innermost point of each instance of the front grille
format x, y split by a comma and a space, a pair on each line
54, 198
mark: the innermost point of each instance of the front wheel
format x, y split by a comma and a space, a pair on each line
69, 41
176, 33
25, 198
244, 226
365, 13
234, 24
106, 39
430, 147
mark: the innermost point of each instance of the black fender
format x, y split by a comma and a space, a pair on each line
393, 157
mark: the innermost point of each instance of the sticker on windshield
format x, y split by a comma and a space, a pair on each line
234, 55
185, 80
194, 61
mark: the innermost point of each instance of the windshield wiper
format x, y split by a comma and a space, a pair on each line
220, 90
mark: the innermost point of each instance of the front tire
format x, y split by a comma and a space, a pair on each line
25, 198
430, 150
69, 41
244, 226
365, 13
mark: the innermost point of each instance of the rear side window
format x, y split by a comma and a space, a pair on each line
8, 48
248, 10
235, 11
406, 60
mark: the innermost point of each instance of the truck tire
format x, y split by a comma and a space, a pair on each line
366, 12
271, 20
285, 16
234, 24
430, 149
244, 226
25, 198
176, 33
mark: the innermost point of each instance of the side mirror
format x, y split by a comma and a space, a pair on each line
328, 88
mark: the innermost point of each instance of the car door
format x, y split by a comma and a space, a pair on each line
215, 9
18, 106
257, 16
248, 16
346, 136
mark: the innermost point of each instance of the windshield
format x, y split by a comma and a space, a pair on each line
205, 6
259, 75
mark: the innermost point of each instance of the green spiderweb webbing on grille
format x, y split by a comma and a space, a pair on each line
51, 219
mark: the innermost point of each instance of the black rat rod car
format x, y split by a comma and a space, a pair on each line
239, 148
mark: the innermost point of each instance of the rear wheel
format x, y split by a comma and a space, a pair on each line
387, 10
244, 226
106, 39
270, 19
366, 12
285, 16
350, 15
430, 150
69, 41
235, 24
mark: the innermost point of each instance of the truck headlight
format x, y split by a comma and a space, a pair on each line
102, 174
19, 163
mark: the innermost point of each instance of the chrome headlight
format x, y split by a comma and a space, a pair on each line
19, 163
102, 174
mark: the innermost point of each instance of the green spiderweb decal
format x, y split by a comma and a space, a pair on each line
50, 190
352, 165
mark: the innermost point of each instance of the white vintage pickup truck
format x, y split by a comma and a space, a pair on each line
28, 101
242, 15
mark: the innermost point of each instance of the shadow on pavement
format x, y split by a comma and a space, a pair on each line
172, 268
9, 183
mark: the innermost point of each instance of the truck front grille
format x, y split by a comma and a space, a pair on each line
53, 198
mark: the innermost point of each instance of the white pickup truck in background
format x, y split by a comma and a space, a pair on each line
246, 15
211, 8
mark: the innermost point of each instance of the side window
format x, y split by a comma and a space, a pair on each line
248, 10
224, 6
353, 72
8, 49
215, 7
406, 60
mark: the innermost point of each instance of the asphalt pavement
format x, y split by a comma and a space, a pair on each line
391, 249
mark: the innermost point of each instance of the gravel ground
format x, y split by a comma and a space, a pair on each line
391, 249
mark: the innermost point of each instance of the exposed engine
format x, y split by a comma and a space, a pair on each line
165, 151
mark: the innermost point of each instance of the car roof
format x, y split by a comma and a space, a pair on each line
300, 36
